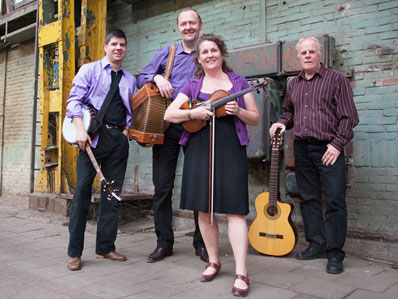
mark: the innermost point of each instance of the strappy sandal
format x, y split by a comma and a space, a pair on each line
210, 277
238, 292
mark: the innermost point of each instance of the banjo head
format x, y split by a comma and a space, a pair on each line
69, 130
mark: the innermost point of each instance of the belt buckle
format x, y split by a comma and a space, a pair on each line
109, 126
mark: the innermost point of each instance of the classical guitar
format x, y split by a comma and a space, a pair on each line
272, 231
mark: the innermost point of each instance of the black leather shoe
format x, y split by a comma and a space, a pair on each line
311, 253
159, 254
334, 266
202, 253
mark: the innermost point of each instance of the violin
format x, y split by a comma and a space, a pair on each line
216, 103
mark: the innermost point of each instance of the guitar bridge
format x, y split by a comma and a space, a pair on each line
271, 236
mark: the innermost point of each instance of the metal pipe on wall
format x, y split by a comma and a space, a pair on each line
3, 121
34, 108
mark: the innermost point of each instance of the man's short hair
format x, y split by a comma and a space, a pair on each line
115, 33
190, 9
311, 38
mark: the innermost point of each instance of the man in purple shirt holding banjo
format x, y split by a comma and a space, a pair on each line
319, 106
165, 156
103, 83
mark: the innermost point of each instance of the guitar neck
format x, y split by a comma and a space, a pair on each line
274, 177
234, 96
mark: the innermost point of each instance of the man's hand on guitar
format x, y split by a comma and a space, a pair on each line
274, 127
164, 86
81, 135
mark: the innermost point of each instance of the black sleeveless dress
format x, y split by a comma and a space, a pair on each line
230, 170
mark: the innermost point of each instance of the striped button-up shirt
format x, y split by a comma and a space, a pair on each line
321, 108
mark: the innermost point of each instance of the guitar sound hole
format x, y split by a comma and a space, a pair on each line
272, 211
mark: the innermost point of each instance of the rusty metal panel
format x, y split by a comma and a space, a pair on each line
268, 101
290, 62
288, 149
288, 142
256, 61
291, 185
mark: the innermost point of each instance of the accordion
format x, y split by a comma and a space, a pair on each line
147, 124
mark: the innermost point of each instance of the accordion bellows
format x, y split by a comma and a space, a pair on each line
147, 124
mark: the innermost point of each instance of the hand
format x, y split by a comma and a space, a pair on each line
81, 135
82, 138
202, 113
330, 156
126, 132
232, 108
274, 127
164, 86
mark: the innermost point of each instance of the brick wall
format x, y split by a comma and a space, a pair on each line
366, 43
15, 170
153, 25
366, 34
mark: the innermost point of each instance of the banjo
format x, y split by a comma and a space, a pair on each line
69, 133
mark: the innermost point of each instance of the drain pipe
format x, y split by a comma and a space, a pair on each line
2, 121
34, 108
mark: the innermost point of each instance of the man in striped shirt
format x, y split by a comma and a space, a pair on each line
319, 106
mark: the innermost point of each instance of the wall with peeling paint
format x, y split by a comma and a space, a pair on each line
17, 64
366, 34
152, 25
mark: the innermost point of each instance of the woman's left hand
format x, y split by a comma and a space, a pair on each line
232, 108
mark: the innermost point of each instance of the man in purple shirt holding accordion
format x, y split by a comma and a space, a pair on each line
165, 156
319, 106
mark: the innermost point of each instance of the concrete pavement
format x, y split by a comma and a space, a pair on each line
33, 265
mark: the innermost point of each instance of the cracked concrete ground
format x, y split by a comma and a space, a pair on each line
33, 265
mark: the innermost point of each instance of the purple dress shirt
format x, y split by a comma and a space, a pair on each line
91, 85
192, 90
321, 108
183, 68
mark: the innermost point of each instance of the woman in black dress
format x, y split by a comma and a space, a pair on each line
230, 162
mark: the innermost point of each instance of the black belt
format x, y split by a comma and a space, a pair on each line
313, 141
112, 126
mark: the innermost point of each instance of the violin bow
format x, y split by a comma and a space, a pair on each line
211, 168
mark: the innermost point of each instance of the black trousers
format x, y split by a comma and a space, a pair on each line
164, 165
111, 153
322, 230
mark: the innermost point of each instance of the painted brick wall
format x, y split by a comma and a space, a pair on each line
17, 119
366, 43
151, 26
366, 34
